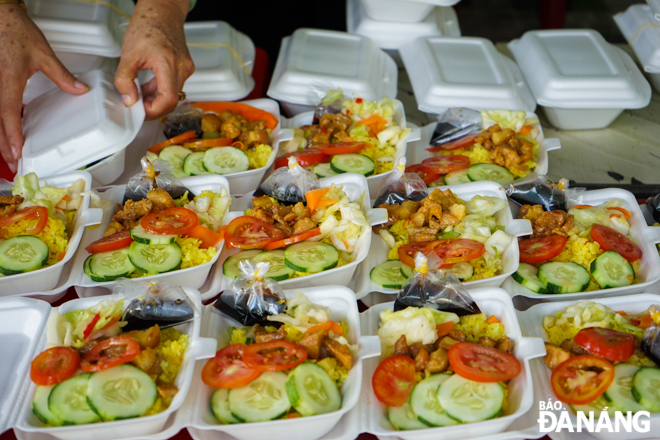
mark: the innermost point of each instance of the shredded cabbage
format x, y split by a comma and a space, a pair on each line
211, 207
485, 206
496, 245
49, 197
476, 227
417, 323
515, 120
107, 310
585, 218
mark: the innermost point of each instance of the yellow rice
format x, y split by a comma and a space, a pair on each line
54, 236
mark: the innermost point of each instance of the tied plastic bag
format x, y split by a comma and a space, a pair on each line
653, 205
156, 174
184, 118
537, 189
454, 124
436, 288
5, 187
401, 186
154, 303
289, 184
327, 99
252, 297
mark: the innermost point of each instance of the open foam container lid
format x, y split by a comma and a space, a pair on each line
639, 22
577, 68
393, 35
80, 26
655, 7
464, 72
339, 59
64, 132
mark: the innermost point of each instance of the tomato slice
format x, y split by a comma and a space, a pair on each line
208, 143
610, 344
170, 221
227, 369
536, 250
54, 365
274, 355
110, 353
393, 380
293, 239
455, 250
445, 164
112, 242
611, 240
40, 212
341, 148
408, 251
455, 144
428, 178
173, 141
247, 232
309, 156
482, 363
581, 379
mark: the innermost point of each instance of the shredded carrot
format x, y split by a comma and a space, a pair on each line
208, 237
582, 206
444, 329
493, 320
327, 326
375, 123
621, 312
247, 111
61, 256
623, 211
645, 322
527, 129
315, 199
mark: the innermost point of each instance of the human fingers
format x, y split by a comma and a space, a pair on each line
55, 70
167, 96
125, 79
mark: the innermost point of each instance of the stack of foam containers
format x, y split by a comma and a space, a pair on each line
392, 24
641, 27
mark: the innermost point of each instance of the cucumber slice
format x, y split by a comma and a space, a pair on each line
262, 399
619, 393
40, 406
277, 270
563, 277
225, 160
527, 275
23, 253
388, 274
612, 270
175, 154
457, 177
230, 266
645, 386
440, 181
462, 270
352, 163
469, 401
489, 171
68, 401
193, 164
404, 418
220, 407
324, 170
108, 266
425, 401
154, 258
597, 406
406, 271
311, 257
311, 391
140, 235
121, 392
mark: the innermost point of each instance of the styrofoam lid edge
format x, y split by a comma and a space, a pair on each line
645, 59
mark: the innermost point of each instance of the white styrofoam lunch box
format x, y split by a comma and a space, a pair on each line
531, 323
491, 301
341, 302
581, 81
362, 284
404, 11
655, 7
355, 186
36, 315
464, 72
416, 151
642, 30
191, 277
82, 27
48, 278
393, 34
375, 181
64, 132
641, 234
332, 59
247, 181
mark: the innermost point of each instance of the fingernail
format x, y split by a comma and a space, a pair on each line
12, 167
127, 100
81, 85
14, 152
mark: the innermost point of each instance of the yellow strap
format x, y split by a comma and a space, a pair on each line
110, 5
640, 30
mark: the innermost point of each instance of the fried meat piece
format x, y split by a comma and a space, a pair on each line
132, 211
9, 204
555, 355
340, 352
264, 336
312, 343
149, 338
160, 199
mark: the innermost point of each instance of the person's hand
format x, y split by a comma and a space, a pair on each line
23, 51
155, 40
